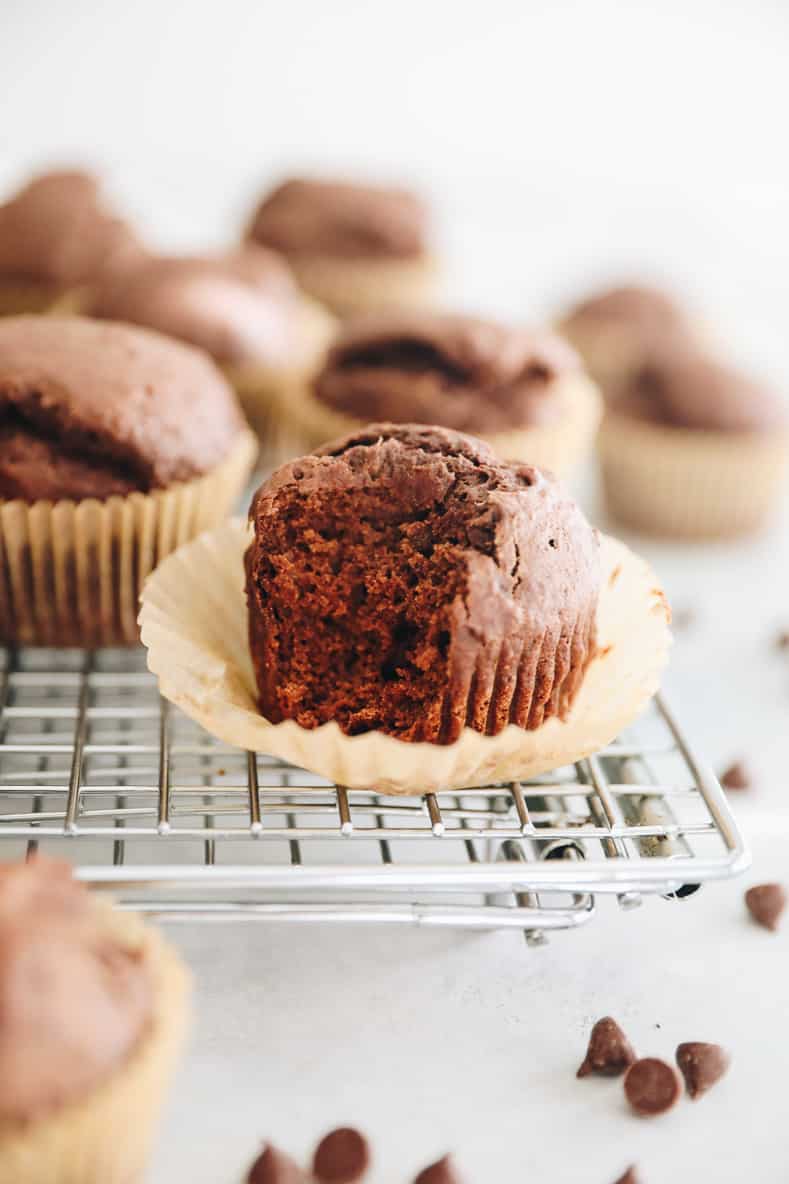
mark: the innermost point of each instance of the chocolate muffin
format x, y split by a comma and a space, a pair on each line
404, 580
92, 1015
57, 237
522, 390
243, 308
116, 444
672, 429
352, 246
617, 330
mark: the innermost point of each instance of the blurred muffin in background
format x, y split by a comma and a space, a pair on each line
57, 238
243, 308
693, 448
354, 247
523, 391
617, 330
94, 1011
117, 444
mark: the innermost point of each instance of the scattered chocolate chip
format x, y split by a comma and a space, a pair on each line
782, 640
652, 1086
609, 1052
341, 1157
441, 1172
275, 1167
736, 776
630, 1176
701, 1065
766, 903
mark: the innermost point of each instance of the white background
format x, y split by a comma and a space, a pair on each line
562, 143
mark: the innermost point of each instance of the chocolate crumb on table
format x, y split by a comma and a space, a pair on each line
701, 1065
441, 1172
782, 640
631, 1176
766, 903
275, 1167
341, 1157
652, 1086
609, 1053
736, 776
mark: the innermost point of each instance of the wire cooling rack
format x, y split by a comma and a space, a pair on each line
94, 765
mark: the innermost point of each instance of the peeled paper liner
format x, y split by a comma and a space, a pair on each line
71, 572
691, 483
105, 1137
302, 422
194, 623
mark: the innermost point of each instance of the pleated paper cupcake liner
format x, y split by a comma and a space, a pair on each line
300, 422
259, 386
71, 572
194, 623
349, 286
106, 1137
690, 484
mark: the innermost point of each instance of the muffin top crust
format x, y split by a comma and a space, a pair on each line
404, 579
691, 390
91, 409
59, 230
639, 306
74, 1001
240, 306
338, 218
455, 371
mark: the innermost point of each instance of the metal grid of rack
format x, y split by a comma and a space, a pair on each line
94, 765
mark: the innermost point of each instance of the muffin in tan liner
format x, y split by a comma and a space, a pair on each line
243, 307
71, 573
104, 1136
194, 623
350, 286
688, 484
354, 247
58, 237
522, 391
694, 449
116, 445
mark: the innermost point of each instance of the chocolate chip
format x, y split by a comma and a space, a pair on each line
609, 1052
441, 1172
630, 1176
701, 1065
341, 1157
737, 776
766, 903
651, 1086
275, 1167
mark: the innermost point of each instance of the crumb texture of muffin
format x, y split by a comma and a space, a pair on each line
405, 580
89, 409
455, 371
341, 219
58, 231
239, 307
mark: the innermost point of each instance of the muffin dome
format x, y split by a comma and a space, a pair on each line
339, 218
92, 410
238, 307
59, 230
456, 371
403, 579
